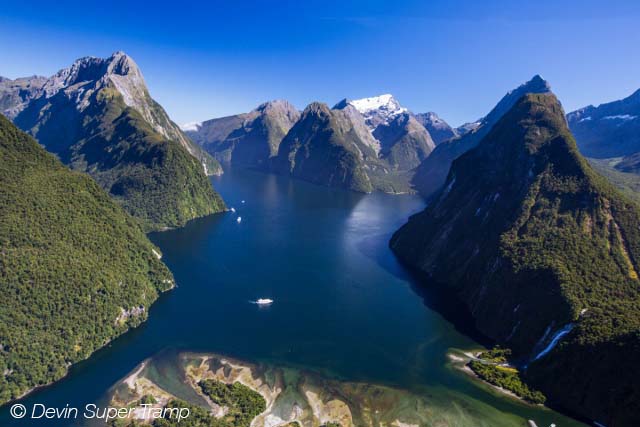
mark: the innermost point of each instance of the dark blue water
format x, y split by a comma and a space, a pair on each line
343, 305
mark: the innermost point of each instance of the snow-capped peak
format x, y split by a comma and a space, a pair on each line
383, 102
191, 126
378, 109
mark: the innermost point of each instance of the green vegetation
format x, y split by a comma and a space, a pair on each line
627, 182
506, 378
496, 355
76, 270
243, 406
244, 403
323, 147
154, 178
249, 139
148, 399
198, 417
531, 238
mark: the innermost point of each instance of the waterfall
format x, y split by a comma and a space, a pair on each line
554, 340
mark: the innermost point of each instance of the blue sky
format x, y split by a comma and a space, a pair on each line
223, 57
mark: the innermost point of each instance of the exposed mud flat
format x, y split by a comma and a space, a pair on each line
297, 396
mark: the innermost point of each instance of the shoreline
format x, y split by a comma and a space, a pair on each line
71, 365
462, 365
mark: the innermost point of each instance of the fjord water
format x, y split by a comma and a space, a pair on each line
343, 305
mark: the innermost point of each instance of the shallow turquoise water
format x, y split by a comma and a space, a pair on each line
343, 305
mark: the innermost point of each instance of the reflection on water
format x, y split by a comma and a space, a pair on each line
343, 305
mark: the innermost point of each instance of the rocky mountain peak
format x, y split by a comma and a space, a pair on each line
280, 104
384, 102
78, 86
439, 129
89, 74
377, 110
536, 85
319, 109
281, 110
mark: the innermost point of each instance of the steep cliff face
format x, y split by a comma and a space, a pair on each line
98, 117
325, 148
250, 139
543, 253
72, 262
432, 172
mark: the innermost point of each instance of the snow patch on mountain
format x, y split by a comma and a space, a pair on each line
384, 102
624, 117
191, 126
378, 110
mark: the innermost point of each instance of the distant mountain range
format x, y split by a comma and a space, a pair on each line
375, 142
609, 135
543, 253
608, 130
97, 116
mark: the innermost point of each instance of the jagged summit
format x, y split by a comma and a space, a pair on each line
381, 102
316, 107
432, 172
536, 85
86, 77
376, 110
15, 94
91, 68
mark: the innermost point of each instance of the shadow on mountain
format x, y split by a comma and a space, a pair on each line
434, 296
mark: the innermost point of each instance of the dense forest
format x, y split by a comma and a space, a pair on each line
76, 270
533, 241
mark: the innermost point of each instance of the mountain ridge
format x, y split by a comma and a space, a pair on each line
430, 175
609, 130
538, 246
98, 117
